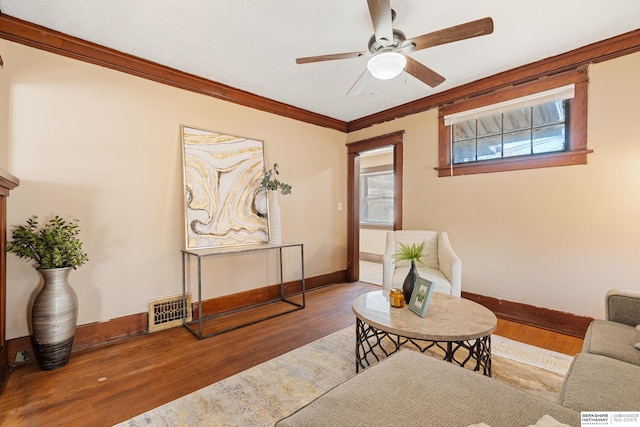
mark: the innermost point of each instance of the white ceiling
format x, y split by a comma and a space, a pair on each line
252, 44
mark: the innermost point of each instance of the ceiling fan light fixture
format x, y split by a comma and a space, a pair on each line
386, 65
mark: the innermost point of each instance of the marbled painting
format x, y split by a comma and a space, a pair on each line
225, 203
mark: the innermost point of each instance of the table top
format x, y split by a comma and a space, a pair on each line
233, 249
448, 318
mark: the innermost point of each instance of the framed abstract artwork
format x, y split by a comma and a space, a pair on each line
224, 201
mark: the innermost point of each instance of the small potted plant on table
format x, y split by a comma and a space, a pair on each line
412, 253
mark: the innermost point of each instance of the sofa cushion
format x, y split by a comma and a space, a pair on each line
612, 339
410, 388
623, 306
599, 383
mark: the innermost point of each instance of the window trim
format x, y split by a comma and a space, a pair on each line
576, 153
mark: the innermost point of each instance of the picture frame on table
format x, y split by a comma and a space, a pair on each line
421, 296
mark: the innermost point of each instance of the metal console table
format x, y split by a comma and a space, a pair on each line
199, 254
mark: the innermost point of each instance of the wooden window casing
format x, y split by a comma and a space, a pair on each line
575, 153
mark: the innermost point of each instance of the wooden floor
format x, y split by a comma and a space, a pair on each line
106, 385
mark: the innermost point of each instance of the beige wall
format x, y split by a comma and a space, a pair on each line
4, 117
104, 147
556, 237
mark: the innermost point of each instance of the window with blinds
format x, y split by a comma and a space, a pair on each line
535, 127
377, 198
519, 132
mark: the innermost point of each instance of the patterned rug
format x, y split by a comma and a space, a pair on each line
267, 392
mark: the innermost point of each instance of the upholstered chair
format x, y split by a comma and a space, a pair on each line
443, 267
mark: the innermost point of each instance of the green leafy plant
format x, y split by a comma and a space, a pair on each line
54, 245
270, 181
412, 253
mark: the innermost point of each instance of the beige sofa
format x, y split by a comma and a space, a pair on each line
606, 375
410, 388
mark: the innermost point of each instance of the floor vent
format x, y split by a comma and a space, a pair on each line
165, 313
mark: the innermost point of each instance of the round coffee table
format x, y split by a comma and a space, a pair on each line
458, 327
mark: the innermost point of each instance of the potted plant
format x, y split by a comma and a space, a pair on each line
270, 181
56, 249
413, 253
272, 184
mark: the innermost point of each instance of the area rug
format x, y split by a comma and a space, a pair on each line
267, 392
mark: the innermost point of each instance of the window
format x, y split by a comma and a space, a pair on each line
534, 125
376, 197
518, 132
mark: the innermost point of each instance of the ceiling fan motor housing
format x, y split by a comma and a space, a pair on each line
396, 44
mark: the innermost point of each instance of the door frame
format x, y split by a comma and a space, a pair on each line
354, 149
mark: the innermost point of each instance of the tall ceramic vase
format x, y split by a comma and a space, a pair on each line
54, 316
409, 282
275, 227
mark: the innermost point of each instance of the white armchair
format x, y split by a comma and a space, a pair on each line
443, 267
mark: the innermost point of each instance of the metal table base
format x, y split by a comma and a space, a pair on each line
370, 340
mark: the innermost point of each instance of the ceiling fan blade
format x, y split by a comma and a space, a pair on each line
380, 11
361, 83
331, 57
422, 73
468, 30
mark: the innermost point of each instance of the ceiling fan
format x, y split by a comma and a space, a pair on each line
388, 47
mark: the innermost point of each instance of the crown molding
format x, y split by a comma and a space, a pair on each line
605, 50
43, 38
29, 34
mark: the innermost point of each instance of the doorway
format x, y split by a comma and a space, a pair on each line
357, 153
376, 210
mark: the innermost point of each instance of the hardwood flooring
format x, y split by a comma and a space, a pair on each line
104, 385
539, 337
